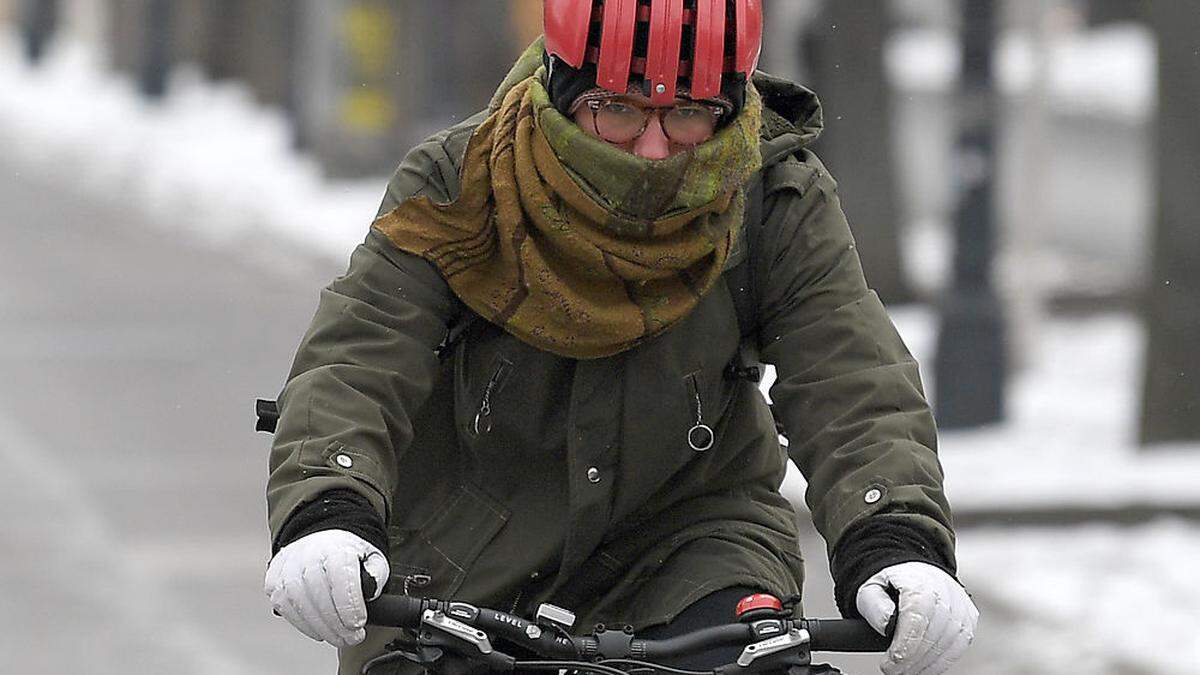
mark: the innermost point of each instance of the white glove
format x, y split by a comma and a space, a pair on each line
314, 583
936, 623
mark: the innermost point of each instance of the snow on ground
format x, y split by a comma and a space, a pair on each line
1101, 599
208, 161
1070, 436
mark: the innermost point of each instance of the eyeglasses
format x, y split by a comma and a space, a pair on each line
619, 120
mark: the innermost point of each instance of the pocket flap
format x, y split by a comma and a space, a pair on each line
446, 546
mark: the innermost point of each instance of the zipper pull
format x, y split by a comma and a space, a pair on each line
415, 581
483, 423
700, 437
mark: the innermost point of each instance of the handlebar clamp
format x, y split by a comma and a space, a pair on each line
615, 644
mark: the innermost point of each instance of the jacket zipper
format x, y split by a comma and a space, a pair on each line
700, 436
483, 422
516, 601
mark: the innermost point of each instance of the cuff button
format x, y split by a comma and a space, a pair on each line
344, 461
873, 495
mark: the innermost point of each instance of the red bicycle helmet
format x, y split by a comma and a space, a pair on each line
666, 45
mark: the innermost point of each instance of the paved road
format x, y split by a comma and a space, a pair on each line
133, 525
134, 532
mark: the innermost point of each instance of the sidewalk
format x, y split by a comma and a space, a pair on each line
134, 518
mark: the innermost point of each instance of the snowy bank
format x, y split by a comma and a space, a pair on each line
1110, 71
1070, 434
207, 160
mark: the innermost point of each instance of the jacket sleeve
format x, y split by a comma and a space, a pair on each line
363, 369
847, 390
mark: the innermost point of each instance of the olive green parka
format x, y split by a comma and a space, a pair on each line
507, 476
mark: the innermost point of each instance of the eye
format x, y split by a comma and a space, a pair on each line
689, 112
618, 108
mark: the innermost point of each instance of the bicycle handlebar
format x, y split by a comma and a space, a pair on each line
399, 611
825, 635
845, 635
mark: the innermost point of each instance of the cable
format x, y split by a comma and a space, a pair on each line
569, 665
641, 665
381, 660
562, 632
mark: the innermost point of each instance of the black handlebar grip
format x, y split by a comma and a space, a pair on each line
845, 635
396, 611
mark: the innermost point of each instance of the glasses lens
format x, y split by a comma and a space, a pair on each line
619, 122
687, 124
690, 124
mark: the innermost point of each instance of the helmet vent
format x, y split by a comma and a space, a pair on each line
689, 45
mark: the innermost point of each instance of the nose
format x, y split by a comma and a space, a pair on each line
653, 143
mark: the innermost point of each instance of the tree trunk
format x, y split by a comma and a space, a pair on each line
39, 21
248, 40
1171, 395
125, 31
845, 53
1100, 12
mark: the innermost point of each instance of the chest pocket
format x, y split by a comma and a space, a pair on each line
510, 398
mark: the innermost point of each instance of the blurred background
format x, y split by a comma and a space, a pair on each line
179, 178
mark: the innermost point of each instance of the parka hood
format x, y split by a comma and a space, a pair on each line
792, 117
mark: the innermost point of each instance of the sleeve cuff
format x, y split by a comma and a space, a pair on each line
873, 544
334, 510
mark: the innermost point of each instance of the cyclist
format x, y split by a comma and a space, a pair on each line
526, 387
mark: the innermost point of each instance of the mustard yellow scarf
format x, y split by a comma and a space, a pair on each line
575, 246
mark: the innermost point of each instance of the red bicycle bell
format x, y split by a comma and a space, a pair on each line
758, 606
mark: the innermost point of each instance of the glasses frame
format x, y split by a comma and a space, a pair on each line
595, 103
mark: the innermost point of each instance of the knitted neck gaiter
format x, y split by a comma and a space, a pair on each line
575, 246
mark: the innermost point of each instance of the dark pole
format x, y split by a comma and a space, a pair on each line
294, 18
1171, 383
156, 64
224, 31
39, 18
970, 367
